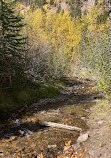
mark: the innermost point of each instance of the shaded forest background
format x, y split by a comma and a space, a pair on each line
41, 41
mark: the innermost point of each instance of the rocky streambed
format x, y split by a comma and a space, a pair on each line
24, 137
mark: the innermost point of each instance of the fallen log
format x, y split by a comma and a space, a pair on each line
57, 125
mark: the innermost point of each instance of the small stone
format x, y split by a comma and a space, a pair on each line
83, 118
52, 146
21, 132
82, 138
17, 122
100, 122
1, 154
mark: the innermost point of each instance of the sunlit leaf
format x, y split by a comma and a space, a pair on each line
41, 155
68, 143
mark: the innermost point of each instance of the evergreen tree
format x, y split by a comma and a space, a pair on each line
12, 43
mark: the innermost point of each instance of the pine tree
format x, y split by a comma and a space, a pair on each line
12, 42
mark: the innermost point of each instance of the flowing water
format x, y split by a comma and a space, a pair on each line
24, 137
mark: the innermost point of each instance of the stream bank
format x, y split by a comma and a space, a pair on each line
99, 144
22, 136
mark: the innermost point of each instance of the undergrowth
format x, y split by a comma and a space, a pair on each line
22, 93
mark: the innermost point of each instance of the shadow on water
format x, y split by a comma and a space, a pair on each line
74, 111
68, 109
24, 136
80, 98
20, 129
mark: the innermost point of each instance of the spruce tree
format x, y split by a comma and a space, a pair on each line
12, 42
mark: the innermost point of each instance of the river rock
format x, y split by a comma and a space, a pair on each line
52, 146
82, 138
83, 118
17, 123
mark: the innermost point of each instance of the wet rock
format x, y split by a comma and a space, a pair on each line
82, 138
17, 122
25, 132
21, 132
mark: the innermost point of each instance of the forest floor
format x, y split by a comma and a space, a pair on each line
22, 136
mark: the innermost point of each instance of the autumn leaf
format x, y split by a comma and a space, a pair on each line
40, 156
80, 153
68, 143
66, 152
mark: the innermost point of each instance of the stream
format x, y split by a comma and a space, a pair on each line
22, 136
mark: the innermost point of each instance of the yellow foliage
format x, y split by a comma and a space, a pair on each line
40, 156
46, 7
90, 20
92, 15
63, 31
48, 1
36, 22
57, 1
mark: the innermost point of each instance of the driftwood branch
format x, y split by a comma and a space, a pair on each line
57, 125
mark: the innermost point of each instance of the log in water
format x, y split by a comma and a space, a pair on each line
57, 125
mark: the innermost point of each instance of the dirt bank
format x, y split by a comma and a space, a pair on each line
99, 142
